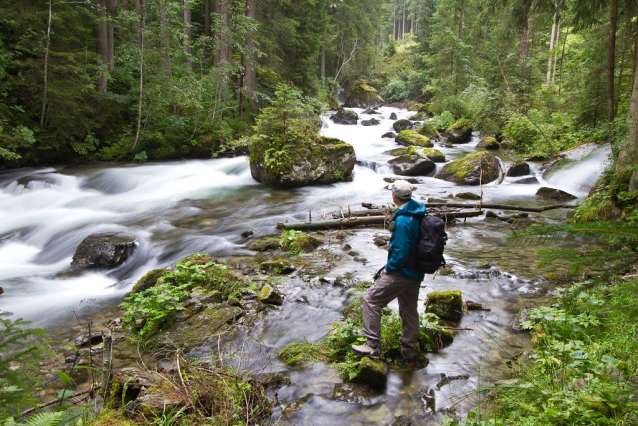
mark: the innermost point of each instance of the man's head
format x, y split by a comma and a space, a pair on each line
401, 191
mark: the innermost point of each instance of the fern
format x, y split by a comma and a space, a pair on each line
40, 419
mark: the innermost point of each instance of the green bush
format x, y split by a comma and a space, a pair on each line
443, 121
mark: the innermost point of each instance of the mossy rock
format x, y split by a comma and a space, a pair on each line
446, 305
468, 196
149, 280
434, 155
398, 151
372, 373
370, 111
558, 278
389, 135
402, 124
320, 161
393, 116
471, 169
264, 244
371, 122
427, 129
304, 242
362, 95
277, 266
409, 137
418, 107
345, 116
489, 143
269, 296
419, 116
459, 132
412, 165
519, 168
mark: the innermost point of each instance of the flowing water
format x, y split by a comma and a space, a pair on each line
179, 208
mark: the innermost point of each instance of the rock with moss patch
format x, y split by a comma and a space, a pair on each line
323, 160
419, 116
103, 251
518, 168
333, 103
345, 116
409, 137
305, 243
446, 305
370, 111
468, 196
489, 143
459, 132
393, 116
555, 194
372, 373
389, 135
401, 125
412, 165
269, 296
362, 95
277, 266
264, 244
371, 122
471, 169
149, 280
434, 155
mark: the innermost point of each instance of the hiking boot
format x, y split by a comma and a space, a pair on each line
415, 362
366, 350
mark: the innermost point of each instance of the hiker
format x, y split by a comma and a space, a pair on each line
397, 280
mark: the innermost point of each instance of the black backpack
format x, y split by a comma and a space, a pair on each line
428, 256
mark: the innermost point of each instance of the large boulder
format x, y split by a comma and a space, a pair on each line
447, 305
345, 116
459, 132
324, 160
409, 137
371, 122
362, 95
412, 165
103, 251
471, 169
402, 124
434, 155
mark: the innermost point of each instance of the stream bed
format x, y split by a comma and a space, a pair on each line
179, 208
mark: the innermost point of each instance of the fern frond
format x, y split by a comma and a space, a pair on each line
44, 419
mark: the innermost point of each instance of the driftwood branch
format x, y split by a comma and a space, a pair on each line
351, 222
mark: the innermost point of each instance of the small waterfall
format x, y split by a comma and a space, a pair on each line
578, 176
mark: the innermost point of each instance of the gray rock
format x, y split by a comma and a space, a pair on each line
403, 124
103, 251
269, 296
371, 122
393, 116
412, 165
555, 194
83, 341
527, 181
409, 179
519, 168
389, 135
345, 116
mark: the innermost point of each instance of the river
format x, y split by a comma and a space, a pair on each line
182, 207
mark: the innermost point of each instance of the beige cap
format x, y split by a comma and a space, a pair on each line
402, 189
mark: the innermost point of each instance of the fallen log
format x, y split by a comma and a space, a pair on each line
363, 213
486, 206
351, 222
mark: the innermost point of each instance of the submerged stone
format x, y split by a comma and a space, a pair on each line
446, 305
354, 393
103, 251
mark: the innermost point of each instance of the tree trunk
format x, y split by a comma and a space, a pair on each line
621, 71
207, 23
522, 48
188, 32
628, 156
323, 64
611, 63
45, 84
635, 65
102, 44
403, 24
394, 21
251, 60
139, 9
556, 52
551, 45
111, 6
167, 67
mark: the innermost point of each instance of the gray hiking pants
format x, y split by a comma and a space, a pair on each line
385, 289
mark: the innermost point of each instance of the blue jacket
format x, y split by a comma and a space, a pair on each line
404, 239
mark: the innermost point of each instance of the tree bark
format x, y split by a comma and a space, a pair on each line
141, 23
207, 23
102, 44
188, 32
628, 156
611, 62
323, 64
394, 20
45, 85
556, 51
403, 24
111, 7
251, 60
551, 45
522, 48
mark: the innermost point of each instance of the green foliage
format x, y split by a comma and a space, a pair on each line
145, 312
21, 349
443, 121
40, 419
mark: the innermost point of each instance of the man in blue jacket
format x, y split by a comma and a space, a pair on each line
398, 280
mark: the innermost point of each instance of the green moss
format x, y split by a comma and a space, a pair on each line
489, 143
467, 170
434, 155
277, 266
264, 244
409, 137
305, 243
461, 125
372, 373
428, 129
418, 107
301, 354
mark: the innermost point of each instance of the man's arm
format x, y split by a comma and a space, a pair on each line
400, 250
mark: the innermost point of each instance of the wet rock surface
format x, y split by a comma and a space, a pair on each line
555, 194
472, 169
345, 116
103, 251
